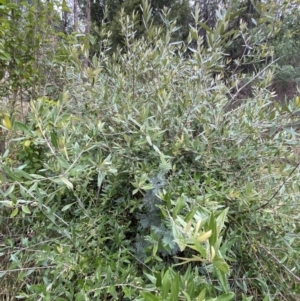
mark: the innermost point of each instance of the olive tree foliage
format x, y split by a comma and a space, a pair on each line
144, 182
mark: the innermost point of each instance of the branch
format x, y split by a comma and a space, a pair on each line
277, 191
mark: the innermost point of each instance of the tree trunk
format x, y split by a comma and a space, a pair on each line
87, 28
88, 17
75, 11
2, 142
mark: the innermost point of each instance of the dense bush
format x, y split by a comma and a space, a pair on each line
143, 181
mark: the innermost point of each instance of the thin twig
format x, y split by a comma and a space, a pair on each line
26, 269
232, 100
281, 264
277, 191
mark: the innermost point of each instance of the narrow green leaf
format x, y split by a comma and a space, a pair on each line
201, 296
149, 296
21, 173
66, 207
14, 213
149, 140
204, 26
154, 250
222, 279
151, 278
190, 215
175, 288
213, 227
67, 182
54, 139
156, 149
225, 297
180, 204
165, 285
81, 296
187, 296
11, 175
9, 190
18, 126
26, 210
221, 220
237, 13
221, 265
101, 177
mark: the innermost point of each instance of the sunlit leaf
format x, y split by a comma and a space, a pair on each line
67, 182
204, 236
7, 122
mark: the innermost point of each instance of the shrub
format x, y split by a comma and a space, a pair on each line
148, 187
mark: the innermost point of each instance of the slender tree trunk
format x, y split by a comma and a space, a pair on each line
87, 27
2, 142
64, 22
88, 17
75, 11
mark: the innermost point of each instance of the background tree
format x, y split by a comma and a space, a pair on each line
24, 64
180, 11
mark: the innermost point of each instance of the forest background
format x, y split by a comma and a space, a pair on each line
149, 150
